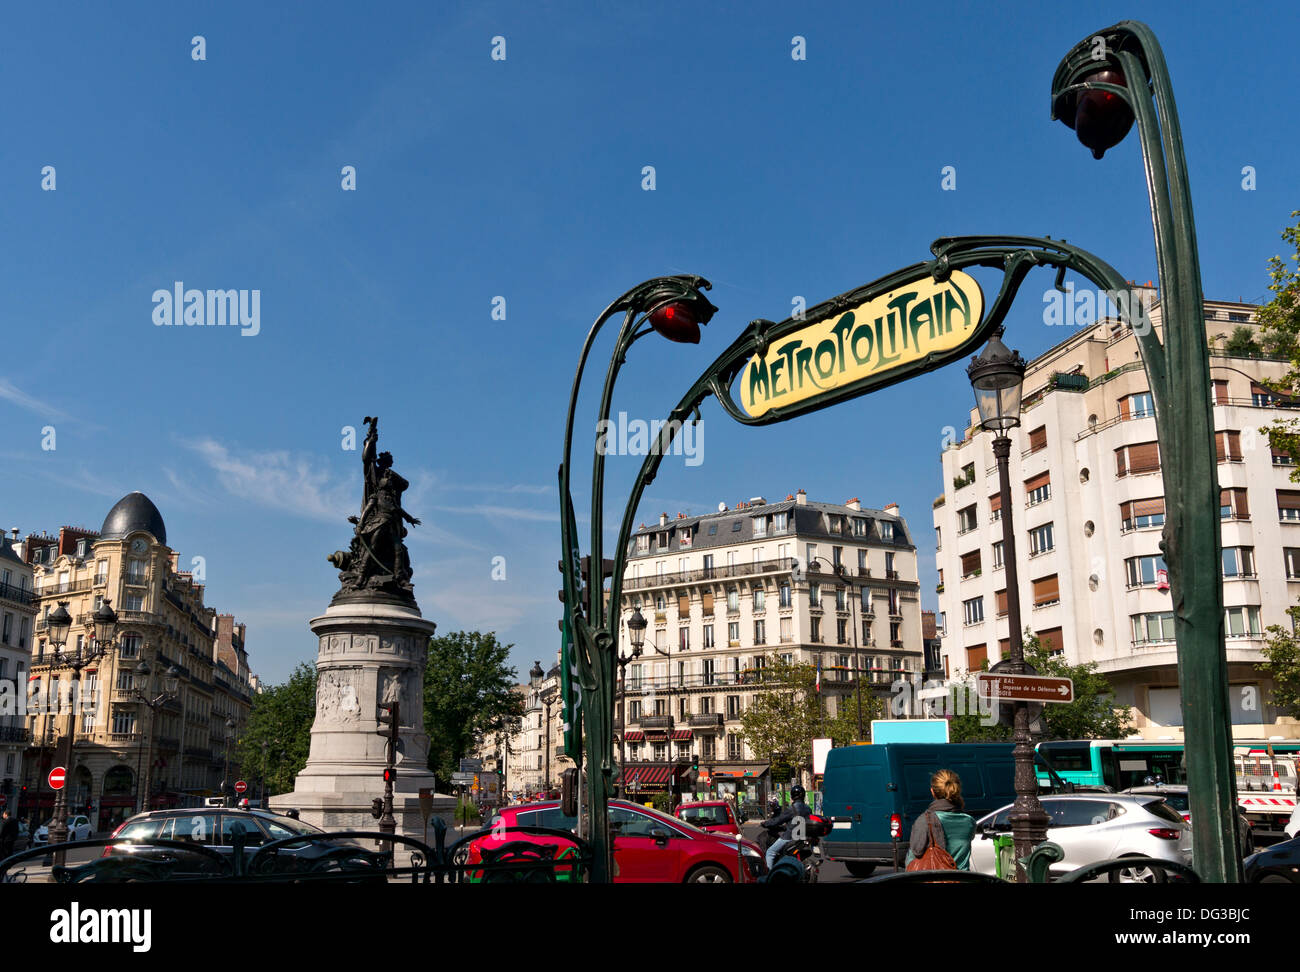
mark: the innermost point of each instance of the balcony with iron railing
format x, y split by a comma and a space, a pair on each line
782, 565
17, 595
656, 722
702, 720
15, 734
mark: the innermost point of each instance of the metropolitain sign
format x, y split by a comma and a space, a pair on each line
863, 344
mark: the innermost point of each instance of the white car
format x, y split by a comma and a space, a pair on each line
1293, 825
1092, 827
78, 829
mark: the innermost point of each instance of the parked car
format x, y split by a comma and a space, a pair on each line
1292, 828
876, 792
715, 816
1279, 864
1099, 827
216, 830
1177, 797
79, 828
649, 846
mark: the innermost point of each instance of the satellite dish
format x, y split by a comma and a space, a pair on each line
722, 507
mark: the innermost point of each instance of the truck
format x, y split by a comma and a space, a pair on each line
875, 793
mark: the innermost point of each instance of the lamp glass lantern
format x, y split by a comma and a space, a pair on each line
144, 676
59, 624
997, 375
535, 675
172, 681
636, 626
105, 619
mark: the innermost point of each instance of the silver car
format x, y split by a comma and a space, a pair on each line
1096, 827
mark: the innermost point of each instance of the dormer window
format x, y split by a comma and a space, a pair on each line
81, 549
886, 530
735, 527
760, 526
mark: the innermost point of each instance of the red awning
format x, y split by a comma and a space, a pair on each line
634, 736
644, 775
683, 734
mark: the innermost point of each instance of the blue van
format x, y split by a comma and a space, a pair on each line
877, 791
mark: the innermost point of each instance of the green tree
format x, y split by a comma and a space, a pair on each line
468, 694
784, 717
281, 717
1241, 344
1282, 665
843, 728
1092, 715
1279, 322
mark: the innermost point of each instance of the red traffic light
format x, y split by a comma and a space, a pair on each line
390, 775
1102, 119
676, 322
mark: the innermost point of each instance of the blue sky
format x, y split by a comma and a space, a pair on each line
522, 178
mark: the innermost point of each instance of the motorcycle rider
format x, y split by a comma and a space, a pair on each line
797, 810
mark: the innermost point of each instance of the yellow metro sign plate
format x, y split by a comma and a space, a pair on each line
881, 335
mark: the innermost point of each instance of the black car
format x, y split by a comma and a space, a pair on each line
1279, 864
219, 828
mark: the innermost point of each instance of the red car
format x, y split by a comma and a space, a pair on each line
715, 816
649, 846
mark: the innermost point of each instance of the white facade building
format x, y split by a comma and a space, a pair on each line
17, 623
1089, 510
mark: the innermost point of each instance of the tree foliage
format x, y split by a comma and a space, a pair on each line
281, 717
1241, 343
1092, 715
1279, 322
782, 720
468, 694
843, 728
1282, 653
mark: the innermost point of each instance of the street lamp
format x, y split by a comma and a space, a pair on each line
842, 572
225, 773
171, 688
673, 307
1105, 83
997, 376
636, 626
59, 626
548, 700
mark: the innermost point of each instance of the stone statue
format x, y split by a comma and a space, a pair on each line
377, 562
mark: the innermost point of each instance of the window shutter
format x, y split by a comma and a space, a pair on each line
1235, 500
976, 656
683, 604
1046, 590
1038, 438
995, 502
1218, 446
1002, 602
1123, 409
1234, 446
1004, 647
970, 562
1051, 640
1288, 499
708, 602
1220, 392
1038, 482
1126, 511
1121, 462
1144, 457
1149, 507
1257, 389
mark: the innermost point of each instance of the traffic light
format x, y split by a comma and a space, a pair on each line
695, 762
390, 775
376, 808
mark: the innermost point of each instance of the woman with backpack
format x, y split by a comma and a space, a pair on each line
941, 836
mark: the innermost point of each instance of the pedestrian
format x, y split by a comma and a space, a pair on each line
945, 819
8, 833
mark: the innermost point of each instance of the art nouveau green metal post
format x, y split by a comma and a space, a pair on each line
1106, 82
675, 307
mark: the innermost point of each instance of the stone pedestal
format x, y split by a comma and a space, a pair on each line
371, 651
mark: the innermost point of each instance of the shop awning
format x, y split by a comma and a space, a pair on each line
634, 775
684, 735
634, 736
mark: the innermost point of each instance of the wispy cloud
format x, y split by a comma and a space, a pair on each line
15, 395
278, 479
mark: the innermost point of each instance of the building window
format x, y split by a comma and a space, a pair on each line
683, 639
1038, 490
1238, 562
733, 746
760, 599
760, 632
635, 707
886, 530
859, 527
973, 610
1291, 557
1046, 591
1151, 628
733, 706
780, 521
787, 630
786, 599
938, 545
134, 602
1038, 439
842, 630
815, 629
708, 636
733, 601
1141, 514
1288, 504
970, 564
1141, 457
1227, 446
840, 603
1144, 571
966, 520
760, 526
1137, 406
1241, 622
1233, 505
997, 555
815, 595
1041, 540
135, 572
123, 721
733, 633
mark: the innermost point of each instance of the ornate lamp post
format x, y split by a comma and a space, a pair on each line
673, 307
548, 700
997, 376
636, 626
842, 572
59, 625
1106, 82
145, 696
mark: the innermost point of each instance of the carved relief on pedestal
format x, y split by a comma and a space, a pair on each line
337, 703
398, 685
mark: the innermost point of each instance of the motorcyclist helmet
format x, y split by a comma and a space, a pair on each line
797, 792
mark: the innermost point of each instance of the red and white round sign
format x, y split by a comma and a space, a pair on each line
57, 776
240, 786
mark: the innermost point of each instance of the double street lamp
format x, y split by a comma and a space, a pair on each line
58, 626
997, 375
547, 699
225, 772
144, 686
636, 626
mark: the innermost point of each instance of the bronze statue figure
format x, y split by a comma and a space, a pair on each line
377, 562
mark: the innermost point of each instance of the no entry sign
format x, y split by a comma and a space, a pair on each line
1023, 688
240, 786
57, 777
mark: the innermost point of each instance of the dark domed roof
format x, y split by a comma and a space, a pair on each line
133, 512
